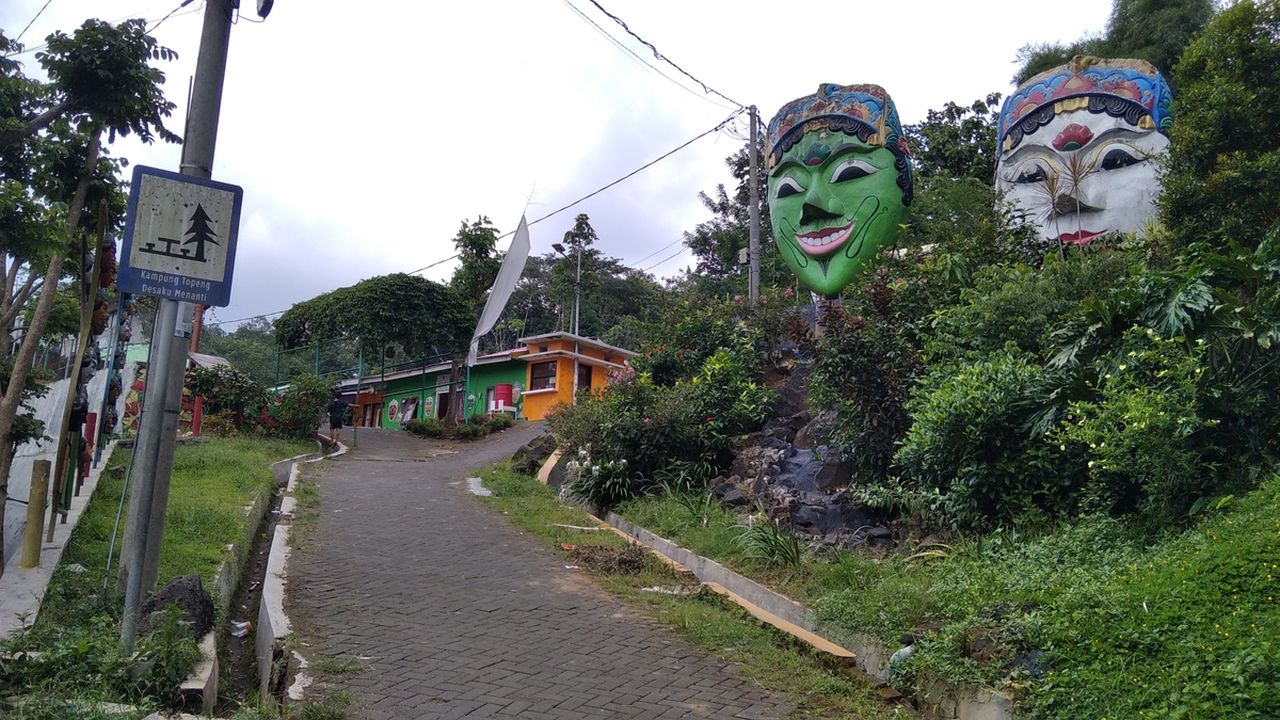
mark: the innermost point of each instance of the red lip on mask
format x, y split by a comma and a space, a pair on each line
1082, 237
824, 242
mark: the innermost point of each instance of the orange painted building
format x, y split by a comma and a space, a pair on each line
561, 365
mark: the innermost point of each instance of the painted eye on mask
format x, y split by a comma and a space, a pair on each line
787, 187
1033, 174
852, 169
1119, 157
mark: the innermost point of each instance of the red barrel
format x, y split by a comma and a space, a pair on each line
502, 396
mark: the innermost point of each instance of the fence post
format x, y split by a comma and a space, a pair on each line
35, 514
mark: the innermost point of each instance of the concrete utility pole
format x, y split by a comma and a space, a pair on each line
170, 343
753, 276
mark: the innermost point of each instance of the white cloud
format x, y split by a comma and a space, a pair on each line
364, 134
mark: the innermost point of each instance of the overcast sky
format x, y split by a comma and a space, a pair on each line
365, 133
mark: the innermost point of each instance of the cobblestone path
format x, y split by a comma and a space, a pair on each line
463, 615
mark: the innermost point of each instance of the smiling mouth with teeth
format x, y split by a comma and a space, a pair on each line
824, 242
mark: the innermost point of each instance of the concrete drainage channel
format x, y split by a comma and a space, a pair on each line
281, 670
246, 576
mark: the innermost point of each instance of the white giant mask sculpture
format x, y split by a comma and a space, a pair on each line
1078, 145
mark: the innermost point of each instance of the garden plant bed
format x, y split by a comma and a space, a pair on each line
78, 625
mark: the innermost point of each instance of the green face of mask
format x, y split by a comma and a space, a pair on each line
835, 204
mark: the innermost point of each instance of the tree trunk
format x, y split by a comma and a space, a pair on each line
26, 353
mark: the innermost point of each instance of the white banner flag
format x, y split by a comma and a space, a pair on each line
508, 275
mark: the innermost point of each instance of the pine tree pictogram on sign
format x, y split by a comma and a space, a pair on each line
200, 233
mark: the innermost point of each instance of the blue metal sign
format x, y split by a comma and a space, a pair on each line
180, 237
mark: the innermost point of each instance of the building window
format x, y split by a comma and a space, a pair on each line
542, 376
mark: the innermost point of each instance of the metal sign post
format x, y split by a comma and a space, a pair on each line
180, 247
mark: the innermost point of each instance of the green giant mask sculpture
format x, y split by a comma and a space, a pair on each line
839, 182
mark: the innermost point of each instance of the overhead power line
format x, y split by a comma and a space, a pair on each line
719, 126
635, 57
655, 252
33, 20
663, 260
160, 22
705, 87
251, 317
172, 13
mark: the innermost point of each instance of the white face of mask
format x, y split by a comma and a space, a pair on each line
1084, 175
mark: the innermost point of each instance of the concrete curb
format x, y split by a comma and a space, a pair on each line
22, 589
869, 656
279, 668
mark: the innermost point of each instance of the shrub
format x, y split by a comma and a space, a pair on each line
652, 427
471, 431
602, 484
499, 421
300, 407
697, 327
228, 390
1020, 304
863, 370
426, 427
769, 544
220, 424
1140, 433
970, 441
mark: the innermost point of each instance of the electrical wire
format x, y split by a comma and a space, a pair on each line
705, 87
666, 259
160, 22
635, 57
251, 317
719, 126
655, 252
33, 20
172, 13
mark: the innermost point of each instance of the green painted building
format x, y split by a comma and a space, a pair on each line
393, 399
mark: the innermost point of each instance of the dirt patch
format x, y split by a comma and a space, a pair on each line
629, 560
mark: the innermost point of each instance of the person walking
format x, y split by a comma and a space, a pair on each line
337, 411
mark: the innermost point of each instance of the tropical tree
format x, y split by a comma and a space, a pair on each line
564, 281
403, 310
1151, 30
716, 243
1223, 173
477, 244
52, 168
957, 141
251, 347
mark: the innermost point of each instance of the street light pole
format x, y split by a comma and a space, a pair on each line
577, 291
577, 282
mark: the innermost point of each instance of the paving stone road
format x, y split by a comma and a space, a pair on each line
464, 615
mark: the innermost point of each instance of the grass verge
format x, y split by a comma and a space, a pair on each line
78, 627
1097, 618
818, 687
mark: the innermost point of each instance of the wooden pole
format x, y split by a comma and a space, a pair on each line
35, 514
88, 297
